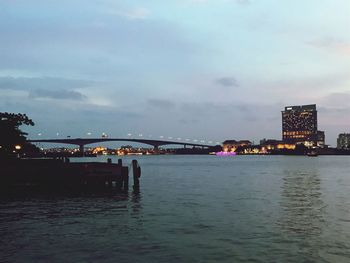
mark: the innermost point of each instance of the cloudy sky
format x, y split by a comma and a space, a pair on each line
199, 69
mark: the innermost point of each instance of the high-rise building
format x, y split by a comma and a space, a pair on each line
299, 125
343, 141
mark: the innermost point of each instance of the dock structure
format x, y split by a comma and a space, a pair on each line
61, 174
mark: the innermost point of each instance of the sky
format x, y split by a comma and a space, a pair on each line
199, 69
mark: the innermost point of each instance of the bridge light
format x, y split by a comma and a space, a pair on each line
88, 134
129, 134
39, 134
195, 140
187, 139
179, 139
140, 135
170, 138
202, 141
161, 136
57, 134
210, 142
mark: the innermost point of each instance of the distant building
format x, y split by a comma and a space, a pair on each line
321, 139
232, 145
268, 145
343, 141
299, 125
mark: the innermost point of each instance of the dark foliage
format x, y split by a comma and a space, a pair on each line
11, 135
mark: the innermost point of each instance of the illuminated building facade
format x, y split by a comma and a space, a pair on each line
321, 139
343, 141
232, 145
299, 125
269, 145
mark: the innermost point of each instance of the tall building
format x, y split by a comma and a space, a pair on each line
299, 125
343, 141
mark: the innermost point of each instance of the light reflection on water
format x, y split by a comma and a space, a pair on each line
192, 209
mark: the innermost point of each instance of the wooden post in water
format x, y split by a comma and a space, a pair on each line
81, 150
119, 181
120, 162
136, 170
109, 179
125, 178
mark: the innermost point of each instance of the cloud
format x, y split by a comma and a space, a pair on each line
138, 13
336, 100
27, 83
57, 94
161, 103
198, 1
243, 2
339, 45
189, 121
211, 109
240, 2
306, 89
227, 82
46, 87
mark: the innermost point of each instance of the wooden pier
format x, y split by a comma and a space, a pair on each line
61, 174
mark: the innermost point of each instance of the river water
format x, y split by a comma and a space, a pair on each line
192, 209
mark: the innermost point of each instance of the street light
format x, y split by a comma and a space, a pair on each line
17, 147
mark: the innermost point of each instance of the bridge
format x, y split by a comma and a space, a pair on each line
81, 142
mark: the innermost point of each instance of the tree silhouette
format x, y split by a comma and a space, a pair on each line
11, 135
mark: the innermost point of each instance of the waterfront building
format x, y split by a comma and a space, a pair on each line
321, 139
232, 145
299, 125
271, 144
343, 141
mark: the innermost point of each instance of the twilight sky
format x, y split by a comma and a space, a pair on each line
198, 69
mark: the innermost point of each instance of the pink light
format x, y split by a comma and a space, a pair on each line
226, 154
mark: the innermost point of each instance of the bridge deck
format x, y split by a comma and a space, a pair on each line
85, 141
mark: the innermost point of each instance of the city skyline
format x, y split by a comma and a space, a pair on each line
299, 125
205, 70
